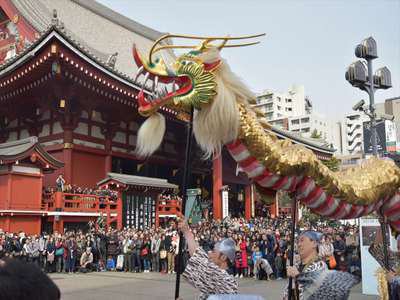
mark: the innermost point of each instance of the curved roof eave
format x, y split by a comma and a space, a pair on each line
286, 135
55, 32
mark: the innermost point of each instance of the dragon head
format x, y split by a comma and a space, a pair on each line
198, 79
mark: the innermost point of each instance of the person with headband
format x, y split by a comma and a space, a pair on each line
312, 278
208, 272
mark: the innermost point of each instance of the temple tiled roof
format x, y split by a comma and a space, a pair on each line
309, 143
99, 29
39, 15
18, 150
57, 29
138, 181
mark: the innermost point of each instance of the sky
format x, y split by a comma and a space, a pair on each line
308, 42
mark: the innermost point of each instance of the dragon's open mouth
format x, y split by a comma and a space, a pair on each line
157, 72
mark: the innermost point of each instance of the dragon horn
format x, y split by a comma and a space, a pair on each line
154, 48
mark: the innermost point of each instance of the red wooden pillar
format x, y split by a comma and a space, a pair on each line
108, 160
108, 216
217, 186
157, 215
247, 202
67, 153
58, 223
9, 192
119, 211
274, 208
7, 223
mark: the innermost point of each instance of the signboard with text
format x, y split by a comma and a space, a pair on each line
225, 204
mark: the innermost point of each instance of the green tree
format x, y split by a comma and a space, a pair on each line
332, 164
315, 134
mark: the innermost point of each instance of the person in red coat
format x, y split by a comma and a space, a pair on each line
241, 258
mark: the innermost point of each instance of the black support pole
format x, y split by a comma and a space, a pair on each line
186, 174
385, 243
291, 295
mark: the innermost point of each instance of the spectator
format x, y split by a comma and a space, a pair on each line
50, 256
71, 255
136, 260
163, 255
127, 251
59, 255
279, 265
60, 182
339, 251
146, 254
326, 251
155, 252
86, 261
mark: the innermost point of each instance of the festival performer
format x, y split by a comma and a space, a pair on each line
208, 273
392, 275
312, 278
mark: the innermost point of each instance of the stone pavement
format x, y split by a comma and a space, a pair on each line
119, 286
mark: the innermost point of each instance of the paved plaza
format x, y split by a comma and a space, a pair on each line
118, 286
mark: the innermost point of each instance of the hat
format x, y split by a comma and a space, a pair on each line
226, 247
312, 235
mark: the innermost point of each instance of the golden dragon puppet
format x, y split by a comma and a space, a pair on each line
224, 116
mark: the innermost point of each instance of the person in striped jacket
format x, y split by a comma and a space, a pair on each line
208, 272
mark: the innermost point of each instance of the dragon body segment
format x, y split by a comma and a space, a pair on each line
224, 116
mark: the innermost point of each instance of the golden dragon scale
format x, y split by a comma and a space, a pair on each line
225, 117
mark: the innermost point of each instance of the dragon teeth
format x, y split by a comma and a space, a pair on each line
155, 83
138, 72
146, 77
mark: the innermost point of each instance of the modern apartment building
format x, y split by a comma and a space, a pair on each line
293, 111
278, 106
351, 133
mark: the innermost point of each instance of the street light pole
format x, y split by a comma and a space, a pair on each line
357, 76
371, 92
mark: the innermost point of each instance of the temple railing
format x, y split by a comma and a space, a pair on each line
169, 208
68, 202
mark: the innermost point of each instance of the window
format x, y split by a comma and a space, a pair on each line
295, 122
306, 129
268, 106
289, 109
279, 99
279, 108
288, 100
305, 120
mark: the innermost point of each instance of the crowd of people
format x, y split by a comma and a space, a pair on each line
261, 246
75, 189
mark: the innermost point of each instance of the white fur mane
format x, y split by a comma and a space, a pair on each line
150, 135
218, 123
